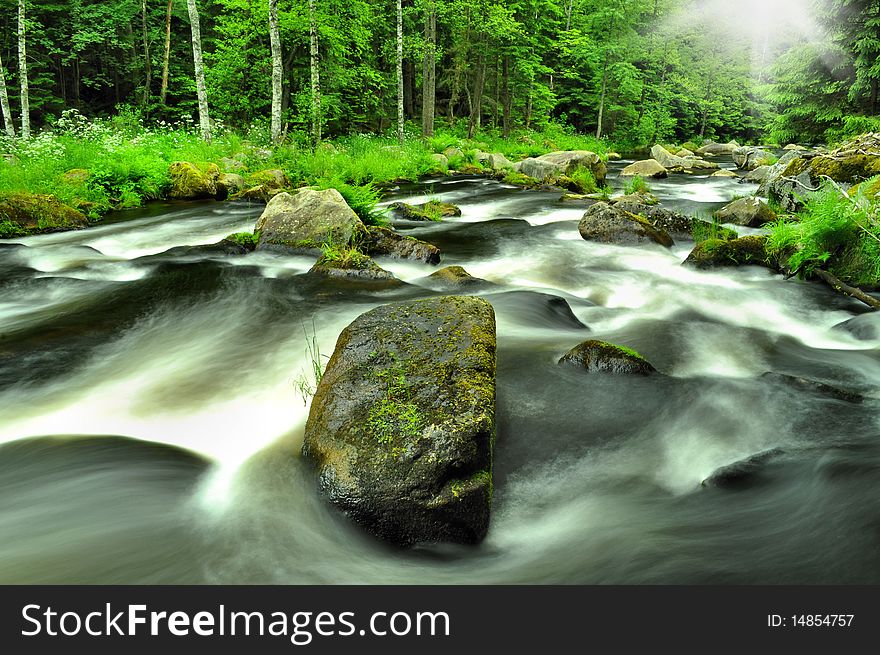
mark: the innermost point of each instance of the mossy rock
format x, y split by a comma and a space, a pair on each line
750, 212
384, 242
189, 182
604, 357
247, 240
308, 216
611, 224
352, 265
402, 425
745, 251
516, 178
270, 179
25, 213
433, 210
470, 169
455, 277
258, 194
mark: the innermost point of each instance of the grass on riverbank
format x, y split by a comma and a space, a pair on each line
100, 165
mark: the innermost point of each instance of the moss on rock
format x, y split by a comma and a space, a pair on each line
189, 182
744, 251
604, 357
25, 213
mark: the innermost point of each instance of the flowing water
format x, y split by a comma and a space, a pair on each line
190, 360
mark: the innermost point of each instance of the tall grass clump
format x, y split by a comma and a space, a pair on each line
637, 185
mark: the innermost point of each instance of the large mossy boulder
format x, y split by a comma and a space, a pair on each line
611, 224
26, 213
678, 226
851, 163
603, 357
750, 212
553, 165
718, 253
380, 241
646, 168
189, 182
307, 219
402, 425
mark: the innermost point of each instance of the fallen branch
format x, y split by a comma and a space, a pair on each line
847, 290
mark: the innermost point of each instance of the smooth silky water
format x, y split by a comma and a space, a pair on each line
190, 359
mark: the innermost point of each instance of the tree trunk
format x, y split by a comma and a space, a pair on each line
429, 69
706, 105
22, 74
477, 106
409, 88
166, 58
505, 96
873, 97
277, 70
315, 75
148, 68
602, 97
201, 89
400, 117
568, 8
4, 104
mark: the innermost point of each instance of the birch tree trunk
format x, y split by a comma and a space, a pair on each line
316, 75
429, 70
22, 74
166, 59
477, 106
201, 90
148, 68
277, 70
400, 118
4, 104
602, 97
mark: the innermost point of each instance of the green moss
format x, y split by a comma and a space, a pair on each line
33, 214
271, 179
9, 230
394, 414
248, 240
520, 179
476, 481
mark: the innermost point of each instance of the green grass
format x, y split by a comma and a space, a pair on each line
637, 185
711, 232
394, 414
342, 256
247, 239
307, 383
584, 181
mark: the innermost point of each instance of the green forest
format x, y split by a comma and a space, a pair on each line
633, 71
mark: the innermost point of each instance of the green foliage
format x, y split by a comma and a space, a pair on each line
11, 229
637, 185
394, 414
711, 231
343, 256
835, 232
307, 383
248, 240
584, 180
363, 199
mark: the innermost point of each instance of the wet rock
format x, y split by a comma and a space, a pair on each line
751, 212
743, 473
26, 213
433, 210
603, 357
385, 242
402, 425
646, 168
713, 148
865, 327
749, 158
308, 219
537, 309
229, 184
456, 277
350, 265
676, 225
805, 384
716, 253
611, 224
757, 175
188, 182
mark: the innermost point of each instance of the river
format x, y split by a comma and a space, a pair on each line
150, 423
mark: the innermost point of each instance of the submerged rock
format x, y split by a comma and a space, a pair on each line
385, 242
402, 425
646, 168
603, 357
307, 219
27, 213
188, 182
805, 384
750, 212
742, 473
611, 224
456, 276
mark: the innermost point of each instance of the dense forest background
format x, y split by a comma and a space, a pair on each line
636, 71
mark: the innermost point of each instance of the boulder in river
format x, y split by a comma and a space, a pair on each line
610, 224
646, 168
678, 163
758, 175
350, 264
494, 160
750, 212
712, 148
743, 473
749, 158
384, 242
27, 213
188, 182
555, 164
724, 173
307, 219
795, 147
603, 357
455, 277
679, 226
433, 210
716, 253
402, 425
